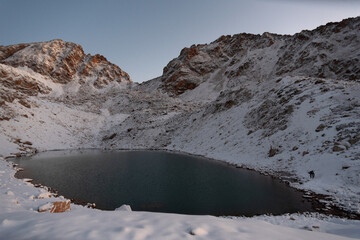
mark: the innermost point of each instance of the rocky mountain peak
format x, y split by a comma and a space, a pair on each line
329, 51
32, 69
62, 62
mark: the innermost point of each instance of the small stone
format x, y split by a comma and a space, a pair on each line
44, 208
346, 144
10, 193
272, 151
320, 128
198, 231
338, 148
44, 195
91, 205
27, 143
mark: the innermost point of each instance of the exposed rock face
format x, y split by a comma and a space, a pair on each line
104, 71
60, 206
55, 207
62, 61
56, 63
18, 85
330, 51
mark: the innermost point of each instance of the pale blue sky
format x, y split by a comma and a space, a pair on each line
142, 36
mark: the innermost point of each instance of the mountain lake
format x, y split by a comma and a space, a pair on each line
160, 181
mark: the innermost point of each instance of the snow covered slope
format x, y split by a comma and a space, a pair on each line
279, 104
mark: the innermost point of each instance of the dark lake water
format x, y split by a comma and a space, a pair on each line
161, 182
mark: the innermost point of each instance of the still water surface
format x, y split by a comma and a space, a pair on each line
160, 182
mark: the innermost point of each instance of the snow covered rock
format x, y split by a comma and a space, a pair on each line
45, 207
10, 193
44, 195
198, 231
124, 207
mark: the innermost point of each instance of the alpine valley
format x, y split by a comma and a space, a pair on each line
283, 105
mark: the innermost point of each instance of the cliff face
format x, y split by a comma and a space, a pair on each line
330, 51
62, 62
57, 67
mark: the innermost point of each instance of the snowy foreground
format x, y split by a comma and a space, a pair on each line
19, 219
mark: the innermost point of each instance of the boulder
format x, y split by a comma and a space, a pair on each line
45, 207
124, 207
55, 207
338, 148
60, 206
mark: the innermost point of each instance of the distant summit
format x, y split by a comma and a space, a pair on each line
63, 62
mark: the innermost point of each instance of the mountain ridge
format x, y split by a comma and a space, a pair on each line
308, 53
62, 61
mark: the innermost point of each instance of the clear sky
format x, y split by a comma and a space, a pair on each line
142, 36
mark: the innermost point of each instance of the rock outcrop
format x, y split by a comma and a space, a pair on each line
18, 85
32, 69
56, 207
63, 62
330, 51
